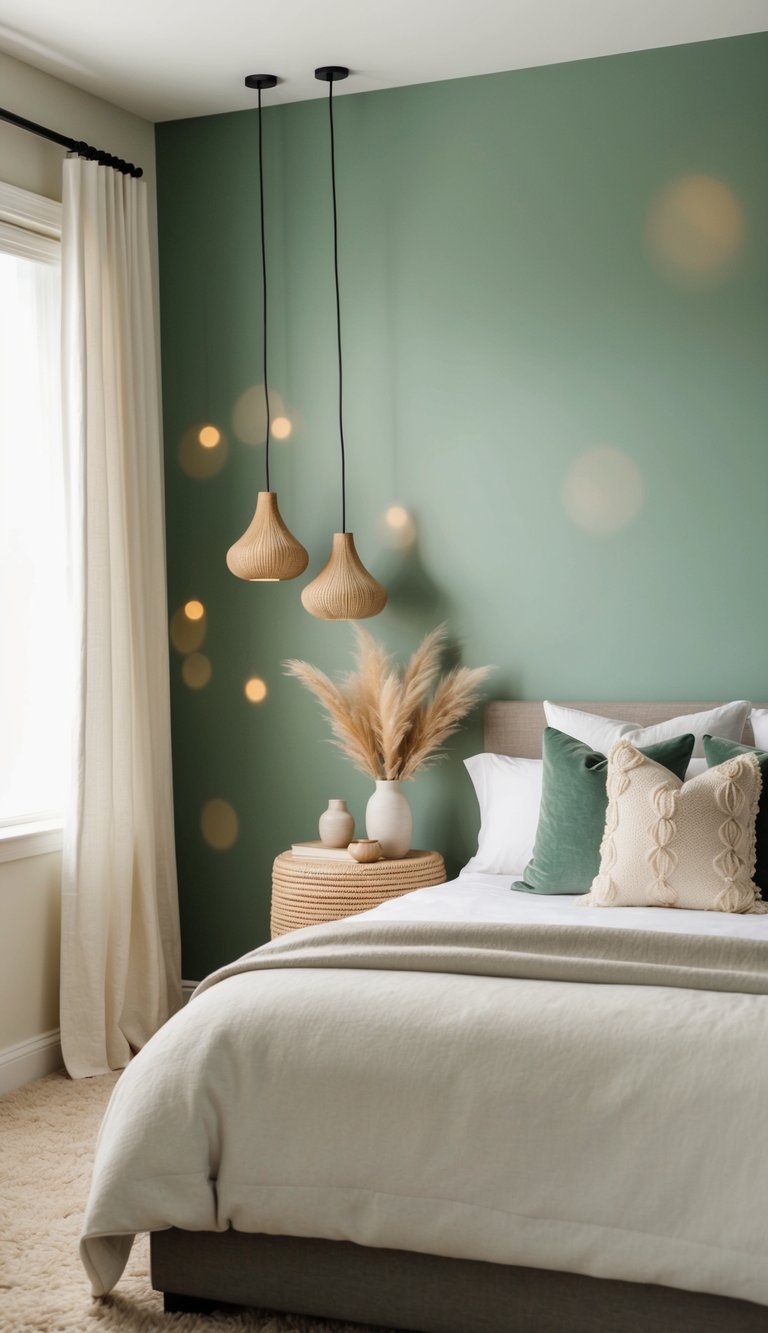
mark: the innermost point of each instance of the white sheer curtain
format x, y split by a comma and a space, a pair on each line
120, 975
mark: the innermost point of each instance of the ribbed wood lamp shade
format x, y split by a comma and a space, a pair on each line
344, 590
267, 550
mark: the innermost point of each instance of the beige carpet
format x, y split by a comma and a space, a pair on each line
47, 1133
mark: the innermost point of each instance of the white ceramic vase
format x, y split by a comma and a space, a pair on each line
388, 818
336, 825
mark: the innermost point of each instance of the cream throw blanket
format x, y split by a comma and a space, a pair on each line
463, 1089
539, 952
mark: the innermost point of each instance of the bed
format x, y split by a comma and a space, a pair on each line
466, 1110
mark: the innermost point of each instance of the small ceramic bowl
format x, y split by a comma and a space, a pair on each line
365, 849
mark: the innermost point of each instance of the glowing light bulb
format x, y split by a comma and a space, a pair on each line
194, 610
209, 437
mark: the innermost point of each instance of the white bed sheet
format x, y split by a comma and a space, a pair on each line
476, 897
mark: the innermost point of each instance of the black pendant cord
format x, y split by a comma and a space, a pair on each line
74, 145
338, 314
264, 292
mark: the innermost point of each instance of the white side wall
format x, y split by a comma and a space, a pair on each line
35, 164
29, 889
29, 968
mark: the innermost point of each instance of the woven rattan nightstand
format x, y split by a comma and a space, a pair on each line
306, 892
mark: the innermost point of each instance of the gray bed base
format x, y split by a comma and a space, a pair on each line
394, 1289
424, 1293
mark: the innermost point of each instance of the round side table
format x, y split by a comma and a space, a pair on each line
306, 891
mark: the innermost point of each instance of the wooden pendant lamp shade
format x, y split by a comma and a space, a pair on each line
267, 551
343, 590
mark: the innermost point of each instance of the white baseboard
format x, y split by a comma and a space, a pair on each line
29, 1060
38, 1056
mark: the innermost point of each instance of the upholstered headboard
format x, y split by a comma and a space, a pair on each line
511, 727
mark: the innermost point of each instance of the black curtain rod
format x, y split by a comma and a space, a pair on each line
80, 147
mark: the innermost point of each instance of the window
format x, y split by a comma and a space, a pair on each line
34, 621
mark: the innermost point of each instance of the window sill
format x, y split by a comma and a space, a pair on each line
33, 839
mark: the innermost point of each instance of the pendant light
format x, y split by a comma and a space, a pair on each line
343, 590
267, 551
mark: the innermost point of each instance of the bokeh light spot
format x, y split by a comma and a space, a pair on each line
695, 230
249, 416
187, 635
255, 690
281, 428
219, 824
194, 610
196, 671
397, 527
201, 455
603, 491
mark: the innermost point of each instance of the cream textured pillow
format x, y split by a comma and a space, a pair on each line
673, 844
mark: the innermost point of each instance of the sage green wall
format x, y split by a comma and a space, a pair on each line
505, 310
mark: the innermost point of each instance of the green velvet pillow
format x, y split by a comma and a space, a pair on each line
718, 751
566, 854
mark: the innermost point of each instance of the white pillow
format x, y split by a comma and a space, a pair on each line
508, 792
759, 719
602, 733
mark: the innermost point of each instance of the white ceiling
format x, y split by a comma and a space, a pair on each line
165, 59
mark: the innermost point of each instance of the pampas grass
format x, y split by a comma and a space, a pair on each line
390, 720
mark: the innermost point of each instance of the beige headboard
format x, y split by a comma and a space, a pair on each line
515, 728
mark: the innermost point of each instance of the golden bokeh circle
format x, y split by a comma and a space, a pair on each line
219, 824
397, 527
196, 671
194, 609
255, 690
249, 415
200, 455
281, 428
187, 635
603, 490
695, 230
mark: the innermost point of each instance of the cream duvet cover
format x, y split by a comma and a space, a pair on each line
467, 1072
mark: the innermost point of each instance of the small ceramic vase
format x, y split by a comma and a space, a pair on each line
336, 825
365, 850
388, 818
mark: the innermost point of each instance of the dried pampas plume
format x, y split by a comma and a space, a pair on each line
390, 720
